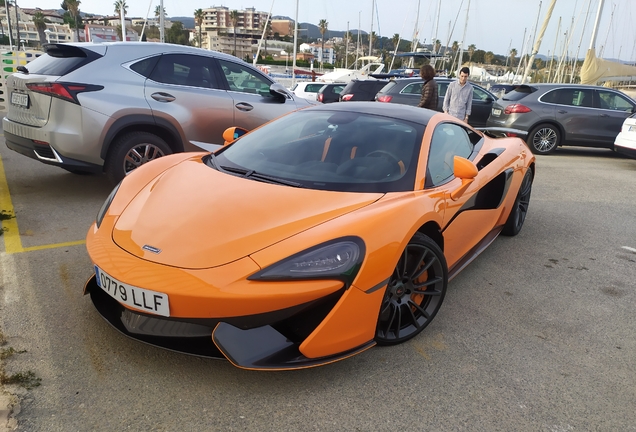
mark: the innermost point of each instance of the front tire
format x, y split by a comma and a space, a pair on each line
520, 209
132, 150
544, 139
414, 293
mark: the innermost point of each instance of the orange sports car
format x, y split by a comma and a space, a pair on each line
307, 240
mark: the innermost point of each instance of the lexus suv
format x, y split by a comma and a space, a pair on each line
92, 107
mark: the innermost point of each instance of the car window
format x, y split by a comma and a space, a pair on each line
184, 69
241, 78
614, 101
414, 88
479, 94
571, 96
449, 140
332, 150
519, 93
313, 88
441, 89
146, 66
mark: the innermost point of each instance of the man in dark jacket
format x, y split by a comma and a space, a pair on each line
429, 89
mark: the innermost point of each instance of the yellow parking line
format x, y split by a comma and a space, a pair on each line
11, 235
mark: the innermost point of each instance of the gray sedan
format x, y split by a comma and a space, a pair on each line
408, 91
563, 114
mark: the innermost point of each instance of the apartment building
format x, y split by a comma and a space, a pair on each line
218, 31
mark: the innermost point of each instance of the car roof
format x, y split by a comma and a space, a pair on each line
398, 111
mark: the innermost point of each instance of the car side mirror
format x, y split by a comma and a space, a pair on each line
465, 170
233, 133
279, 91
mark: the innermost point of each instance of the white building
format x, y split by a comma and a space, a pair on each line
328, 56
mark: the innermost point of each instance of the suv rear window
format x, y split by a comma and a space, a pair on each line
60, 60
519, 93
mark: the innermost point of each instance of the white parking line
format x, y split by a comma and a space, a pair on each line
631, 249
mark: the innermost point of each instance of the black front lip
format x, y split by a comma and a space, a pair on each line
254, 342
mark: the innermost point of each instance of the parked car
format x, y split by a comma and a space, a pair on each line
307, 90
111, 107
625, 142
408, 91
383, 205
563, 114
329, 93
362, 90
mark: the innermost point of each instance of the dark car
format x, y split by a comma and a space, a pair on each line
563, 114
330, 92
408, 91
362, 90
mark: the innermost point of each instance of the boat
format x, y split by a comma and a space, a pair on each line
373, 66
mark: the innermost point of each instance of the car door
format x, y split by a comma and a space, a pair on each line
410, 94
183, 90
481, 107
574, 110
253, 104
466, 221
614, 108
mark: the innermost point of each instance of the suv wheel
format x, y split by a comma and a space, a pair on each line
544, 139
132, 150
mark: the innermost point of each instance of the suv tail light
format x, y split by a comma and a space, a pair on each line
320, 97
347, 97
384, 98
64, 91
516, 109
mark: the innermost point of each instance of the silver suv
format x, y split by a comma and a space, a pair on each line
92, 107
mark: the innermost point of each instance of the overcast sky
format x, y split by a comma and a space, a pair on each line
493, 25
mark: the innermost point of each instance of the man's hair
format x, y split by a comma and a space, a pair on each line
427, 72
465, 70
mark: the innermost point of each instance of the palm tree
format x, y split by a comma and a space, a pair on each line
396, 41
267, 26
471, 51
119, 6
198, 20
73, 8
40, 25
374, 38
437, 46
513, 53
158, 11
323, 26
489, 57
234, 17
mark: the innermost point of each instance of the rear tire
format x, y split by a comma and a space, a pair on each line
520, 209
544, 139
132, 150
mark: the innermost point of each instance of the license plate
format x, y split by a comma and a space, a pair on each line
148, 301
20, 99
496, 112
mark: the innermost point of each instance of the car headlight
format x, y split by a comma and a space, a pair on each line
102, 211
336, 259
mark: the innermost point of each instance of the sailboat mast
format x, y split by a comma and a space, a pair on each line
578, 49
537, 43
371, 32
295, 46
554, 49
461, 46
596, 22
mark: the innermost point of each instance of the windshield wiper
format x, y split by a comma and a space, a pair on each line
247, 173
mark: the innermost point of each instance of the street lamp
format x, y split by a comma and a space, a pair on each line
283, 52
47, 32
22, 41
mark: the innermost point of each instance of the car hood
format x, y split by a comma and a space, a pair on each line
193, 216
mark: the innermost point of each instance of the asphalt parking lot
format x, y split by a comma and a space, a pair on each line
536, 335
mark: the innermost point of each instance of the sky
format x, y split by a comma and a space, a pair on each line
493, 25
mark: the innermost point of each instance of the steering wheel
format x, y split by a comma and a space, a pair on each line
390, 156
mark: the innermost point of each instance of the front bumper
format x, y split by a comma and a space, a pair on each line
625, 146
269, 341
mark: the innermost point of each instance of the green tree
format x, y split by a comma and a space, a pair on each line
177, 34
489, 57
323, 26
512, 55
119, 6
40, 25
198, 20
471, 52
234, 17
395, 40
158, 11
267, 26
437, 45
72, 6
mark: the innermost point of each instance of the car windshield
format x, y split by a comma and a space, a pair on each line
328, 150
